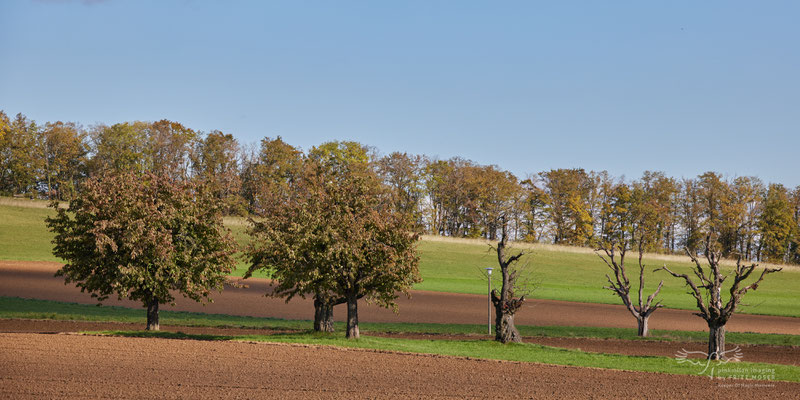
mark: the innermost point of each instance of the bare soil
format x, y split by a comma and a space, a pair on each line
788, 355
38, 366
35, 280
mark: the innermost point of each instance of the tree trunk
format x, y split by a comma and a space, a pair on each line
323, 316
504, 329
352, 317
716, 341
152, 315
644, 330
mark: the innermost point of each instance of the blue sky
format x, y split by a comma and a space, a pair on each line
624, 86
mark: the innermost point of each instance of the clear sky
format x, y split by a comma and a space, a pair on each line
624, 86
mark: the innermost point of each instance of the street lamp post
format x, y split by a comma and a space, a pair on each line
489, 299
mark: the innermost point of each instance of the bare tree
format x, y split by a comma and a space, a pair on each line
505, 305
621, 285
709, 294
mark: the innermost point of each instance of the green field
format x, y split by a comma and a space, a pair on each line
458, 267
575, 276
23, 234
12, 307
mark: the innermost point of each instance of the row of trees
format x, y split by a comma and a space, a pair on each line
338, 224
327, 228
454, 197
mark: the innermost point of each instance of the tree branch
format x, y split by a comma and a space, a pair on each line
695, 291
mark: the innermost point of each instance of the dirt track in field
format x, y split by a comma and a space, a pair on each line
36, 280
112, 367
788, 355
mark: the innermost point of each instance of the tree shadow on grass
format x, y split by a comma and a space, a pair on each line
307, 334
166, 335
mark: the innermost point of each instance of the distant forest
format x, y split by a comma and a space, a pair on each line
745, 216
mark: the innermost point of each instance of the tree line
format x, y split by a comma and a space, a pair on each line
454, 197
339, 223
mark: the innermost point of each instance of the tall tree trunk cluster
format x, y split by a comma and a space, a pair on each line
323, 315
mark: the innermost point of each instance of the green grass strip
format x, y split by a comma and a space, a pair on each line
489, 349
13, 307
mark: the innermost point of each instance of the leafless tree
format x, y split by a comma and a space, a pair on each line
621, 285
709, 294
505, 303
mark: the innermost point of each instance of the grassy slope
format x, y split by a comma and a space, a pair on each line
23, 234
571, 276
457, 267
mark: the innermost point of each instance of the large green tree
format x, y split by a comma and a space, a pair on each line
339, 237
268, 176
63, 149
169, 145
120, 147
215, 161
143, 237
777, 224
5, 152
654, 205
533, 209
749, 196
690, 214
403, 174
19, 161
569, 204
794, 248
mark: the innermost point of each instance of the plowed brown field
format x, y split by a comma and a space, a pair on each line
36, 366
751, 353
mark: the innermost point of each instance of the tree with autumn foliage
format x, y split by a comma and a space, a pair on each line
170, 146
63, 152
215, 162
403, 174
143, 236
778, 224
569, 207
338, 237
120, 147
268, 177
19, 161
